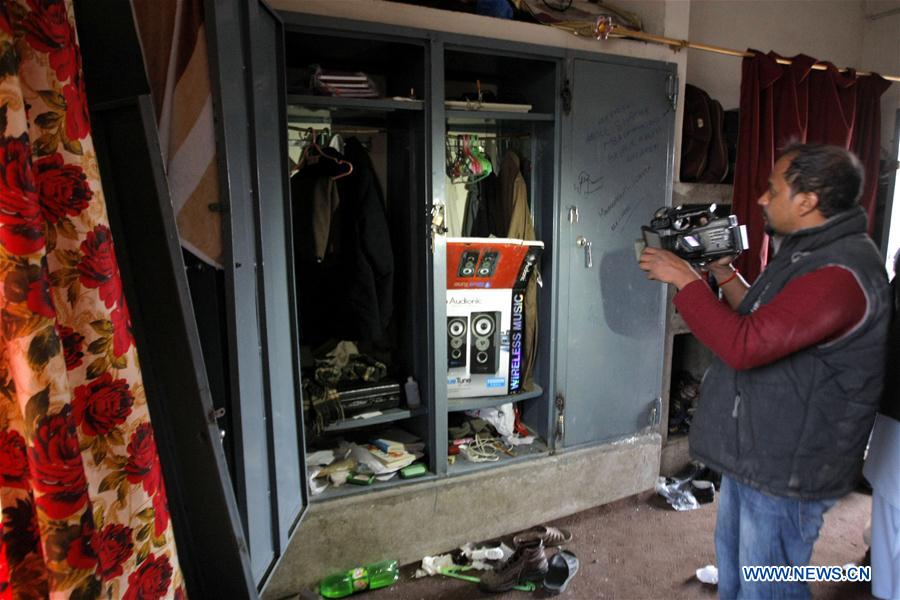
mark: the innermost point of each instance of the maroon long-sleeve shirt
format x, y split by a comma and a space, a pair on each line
814, 308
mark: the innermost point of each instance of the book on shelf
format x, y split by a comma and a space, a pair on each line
388, 459
340, 83
386, 445
341, 77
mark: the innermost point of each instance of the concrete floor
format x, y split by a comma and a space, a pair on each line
631, 547
640, 548
406, 523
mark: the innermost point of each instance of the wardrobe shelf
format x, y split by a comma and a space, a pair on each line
457, 404
335, 102
386, 416
377, 486
462, 466
465, 117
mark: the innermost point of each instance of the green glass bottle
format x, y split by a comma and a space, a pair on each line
369, 577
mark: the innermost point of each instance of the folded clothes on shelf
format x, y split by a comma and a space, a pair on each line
330, 82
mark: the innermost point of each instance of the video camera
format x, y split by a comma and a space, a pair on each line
695, 233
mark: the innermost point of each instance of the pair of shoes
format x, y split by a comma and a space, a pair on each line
704, 491
550, 536
528, 563
561, 568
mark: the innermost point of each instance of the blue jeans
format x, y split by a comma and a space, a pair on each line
756, 529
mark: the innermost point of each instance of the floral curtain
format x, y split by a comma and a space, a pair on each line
84, 512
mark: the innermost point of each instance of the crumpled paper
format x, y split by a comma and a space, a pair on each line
708, 574
677, 494
431, 565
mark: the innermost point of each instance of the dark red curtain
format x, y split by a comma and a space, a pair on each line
784, 103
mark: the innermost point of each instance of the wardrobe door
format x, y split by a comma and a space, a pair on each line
280, 353
617, 171
246, 42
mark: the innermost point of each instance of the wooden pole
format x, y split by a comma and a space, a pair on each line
603, 29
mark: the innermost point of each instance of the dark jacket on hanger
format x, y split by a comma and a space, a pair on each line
348, 293
482, 194
367, 255
315, 203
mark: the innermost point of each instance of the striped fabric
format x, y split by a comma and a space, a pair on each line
175, 52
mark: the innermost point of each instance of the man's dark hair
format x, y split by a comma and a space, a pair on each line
831, 172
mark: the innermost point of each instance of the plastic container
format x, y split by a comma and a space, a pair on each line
412, 393
369, 577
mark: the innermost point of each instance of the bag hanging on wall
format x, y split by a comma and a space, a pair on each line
704, 156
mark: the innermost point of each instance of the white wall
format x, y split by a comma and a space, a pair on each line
881, 53
788, 27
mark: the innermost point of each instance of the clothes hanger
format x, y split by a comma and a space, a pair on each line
469, 164
313, 152
479, 166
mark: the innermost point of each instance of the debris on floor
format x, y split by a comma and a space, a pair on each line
708, 574
368, 577
692, 487
524, 569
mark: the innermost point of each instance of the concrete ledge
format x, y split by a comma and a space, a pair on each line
676, 454
408, 523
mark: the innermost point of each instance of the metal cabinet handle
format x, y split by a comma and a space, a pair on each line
585, 243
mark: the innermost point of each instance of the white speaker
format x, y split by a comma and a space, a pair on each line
457, 335
485, 355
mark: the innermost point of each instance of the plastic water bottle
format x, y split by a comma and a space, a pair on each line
369, 577
411, 387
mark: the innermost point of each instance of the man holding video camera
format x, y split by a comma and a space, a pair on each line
786, 408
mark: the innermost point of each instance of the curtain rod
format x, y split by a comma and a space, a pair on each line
604, 28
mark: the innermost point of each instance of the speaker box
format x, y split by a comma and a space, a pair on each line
457, 332
488, 263
467, 263
485, 356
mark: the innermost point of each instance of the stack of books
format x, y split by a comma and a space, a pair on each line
390, 454
344, 84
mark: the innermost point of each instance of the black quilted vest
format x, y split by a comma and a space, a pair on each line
798, 427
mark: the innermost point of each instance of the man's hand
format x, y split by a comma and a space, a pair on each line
662, 265
721, 268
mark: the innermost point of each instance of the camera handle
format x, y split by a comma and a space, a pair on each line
585, 243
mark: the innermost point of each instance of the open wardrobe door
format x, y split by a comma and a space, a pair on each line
211, 544
246, 52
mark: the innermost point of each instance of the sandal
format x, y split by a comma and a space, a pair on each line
551, 536
561, 569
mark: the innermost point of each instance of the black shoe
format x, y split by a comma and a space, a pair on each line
562, 567
528, 563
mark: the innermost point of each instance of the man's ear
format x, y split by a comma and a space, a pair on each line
806, 202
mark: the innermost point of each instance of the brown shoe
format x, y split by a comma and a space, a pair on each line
550, 536
528, 563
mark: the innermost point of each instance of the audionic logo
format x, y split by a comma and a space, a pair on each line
463, 301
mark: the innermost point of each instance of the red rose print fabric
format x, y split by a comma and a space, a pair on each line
82, 497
